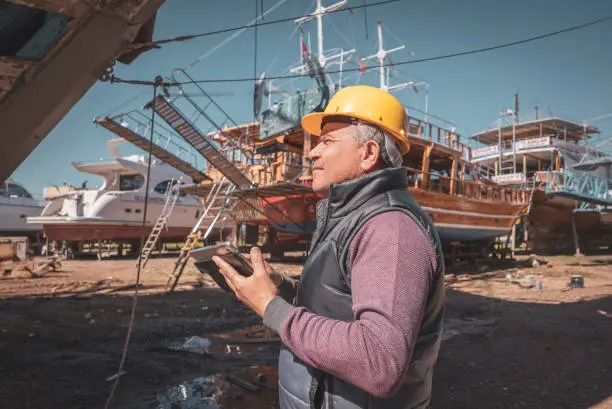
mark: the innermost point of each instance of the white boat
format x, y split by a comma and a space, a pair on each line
115, 210
16, 205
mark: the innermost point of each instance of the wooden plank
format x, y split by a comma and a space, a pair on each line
34, 67
453, 183
236, 132
76, 9
242, 383
11, 69
197, 189
425, 166
461, 203
306, 153
279, 189
469, 220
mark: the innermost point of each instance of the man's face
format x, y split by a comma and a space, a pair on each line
338, 158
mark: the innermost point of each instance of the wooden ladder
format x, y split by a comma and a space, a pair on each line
216, 201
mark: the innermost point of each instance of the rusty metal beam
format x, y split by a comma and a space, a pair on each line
75, 9
29, 114
10, 70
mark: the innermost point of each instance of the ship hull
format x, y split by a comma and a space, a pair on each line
550, 229
13, 219
292, 214
457, 219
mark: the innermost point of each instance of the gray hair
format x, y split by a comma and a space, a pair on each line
389, 153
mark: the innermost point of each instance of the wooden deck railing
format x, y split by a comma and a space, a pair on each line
442, 136
468, 189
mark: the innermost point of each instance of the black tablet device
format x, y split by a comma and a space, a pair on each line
203, 262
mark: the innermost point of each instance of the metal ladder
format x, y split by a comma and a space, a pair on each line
161, 152
172, 194
216, 201
217, 158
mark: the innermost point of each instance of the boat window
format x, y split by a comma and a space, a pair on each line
162, 187
13, 190
130, 182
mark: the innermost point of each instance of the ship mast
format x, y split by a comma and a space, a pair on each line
381, 55
318, 15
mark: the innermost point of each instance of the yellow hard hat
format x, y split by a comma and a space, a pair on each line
368, 104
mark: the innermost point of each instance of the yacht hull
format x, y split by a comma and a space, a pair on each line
13, 219
89, 229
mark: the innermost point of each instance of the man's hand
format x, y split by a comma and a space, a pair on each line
255, 291
274, 275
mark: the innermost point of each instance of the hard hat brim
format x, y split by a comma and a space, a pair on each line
312, 122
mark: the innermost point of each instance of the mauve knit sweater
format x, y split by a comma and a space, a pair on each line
392, 268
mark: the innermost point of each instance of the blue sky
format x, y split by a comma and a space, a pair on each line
568, 75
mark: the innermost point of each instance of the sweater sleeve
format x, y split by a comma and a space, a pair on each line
392, 267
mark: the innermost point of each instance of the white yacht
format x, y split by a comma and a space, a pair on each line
115, 210
16, 205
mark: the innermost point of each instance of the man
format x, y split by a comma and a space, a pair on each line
362, 327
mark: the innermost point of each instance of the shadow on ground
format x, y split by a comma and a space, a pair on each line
54, 355
535, 355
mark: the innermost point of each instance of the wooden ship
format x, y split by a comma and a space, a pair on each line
464, 207
266, 167
570, 182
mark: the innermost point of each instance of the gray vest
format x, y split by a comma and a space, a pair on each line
324, 289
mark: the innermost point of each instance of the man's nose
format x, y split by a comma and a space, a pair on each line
314, 153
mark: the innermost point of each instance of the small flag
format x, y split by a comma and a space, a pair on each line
305, 58
362, 66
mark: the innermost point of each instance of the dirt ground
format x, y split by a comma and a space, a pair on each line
507, 343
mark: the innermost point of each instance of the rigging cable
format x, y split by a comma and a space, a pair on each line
352, 29
427, 59
156, 44
598, 118
384, 27
281, 49
341, 34
230, 38
125, 103
158, 82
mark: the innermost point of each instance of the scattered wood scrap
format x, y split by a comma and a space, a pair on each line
39, 270
242, 383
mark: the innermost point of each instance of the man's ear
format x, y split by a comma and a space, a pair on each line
370, 154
